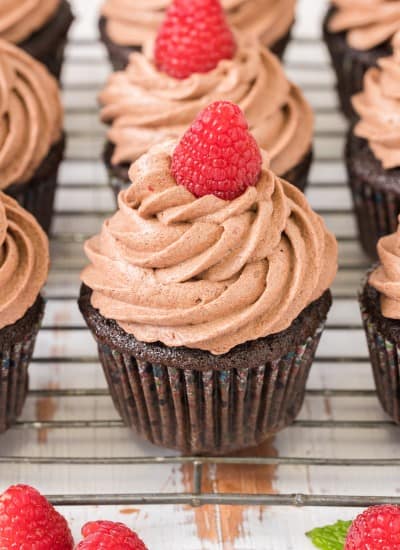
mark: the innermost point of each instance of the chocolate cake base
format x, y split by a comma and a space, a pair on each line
38, 194
16, 348
118, 175
200, 403
383, 337
349, 64
119, 55
47, 45
376, 193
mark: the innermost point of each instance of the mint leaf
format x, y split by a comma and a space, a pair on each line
330, 537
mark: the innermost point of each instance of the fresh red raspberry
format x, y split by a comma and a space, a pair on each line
217, 155
107, 535
194, 38
29, 522
378, 528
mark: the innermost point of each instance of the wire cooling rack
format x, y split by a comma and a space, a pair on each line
341, 405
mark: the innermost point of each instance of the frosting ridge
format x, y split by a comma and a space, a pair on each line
24, 260
134, 22
386, 277
378, 107
145, 107
31, 114
207, 273
19, 19
368, 23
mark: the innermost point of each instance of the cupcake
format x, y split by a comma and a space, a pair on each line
31, 138
358, 33
24, 263
126, 25
161, 91
40, 27
380, 308
373, 151
208, 290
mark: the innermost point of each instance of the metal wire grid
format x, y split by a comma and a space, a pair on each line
197, 496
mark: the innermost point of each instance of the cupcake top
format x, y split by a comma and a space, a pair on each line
386, 277
134, 22
378, 107
19, 19
31, 114
145, 106
24, 260
192, 269
368, 23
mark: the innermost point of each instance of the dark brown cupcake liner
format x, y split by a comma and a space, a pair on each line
118, 176
198, 403
384, 352
47, 45
38, 194
376, 194
350, 65
119, 55
16, 348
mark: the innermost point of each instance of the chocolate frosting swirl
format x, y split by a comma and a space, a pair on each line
19, 19
24, 260
134, 22
368, 23
145, 106
378, 107
386, 277
31, 114
207, 273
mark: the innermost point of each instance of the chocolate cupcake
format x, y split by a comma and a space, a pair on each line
31, 138
207, 291
40, 27
126, 25
380, 299
373, 152
24, 263
157, 96
357, 34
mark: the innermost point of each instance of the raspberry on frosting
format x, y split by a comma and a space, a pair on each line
193, 38
217, 155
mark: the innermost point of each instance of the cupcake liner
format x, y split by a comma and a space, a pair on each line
208, 411
37, 196
119, 55
200, 403
16, 349
48, 44
385, 361
350, 65
376, 207
118, 178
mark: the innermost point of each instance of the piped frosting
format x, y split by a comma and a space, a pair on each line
135, 22
31, 114
368, 23
145, 107
24, 260
378, 107
19, 19
207, 273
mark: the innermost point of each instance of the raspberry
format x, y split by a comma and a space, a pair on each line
217, 155
29, 522
194, 38
107, 535
378, 528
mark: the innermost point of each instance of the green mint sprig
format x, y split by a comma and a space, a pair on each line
330, 537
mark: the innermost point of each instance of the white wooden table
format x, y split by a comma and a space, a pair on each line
70, 440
